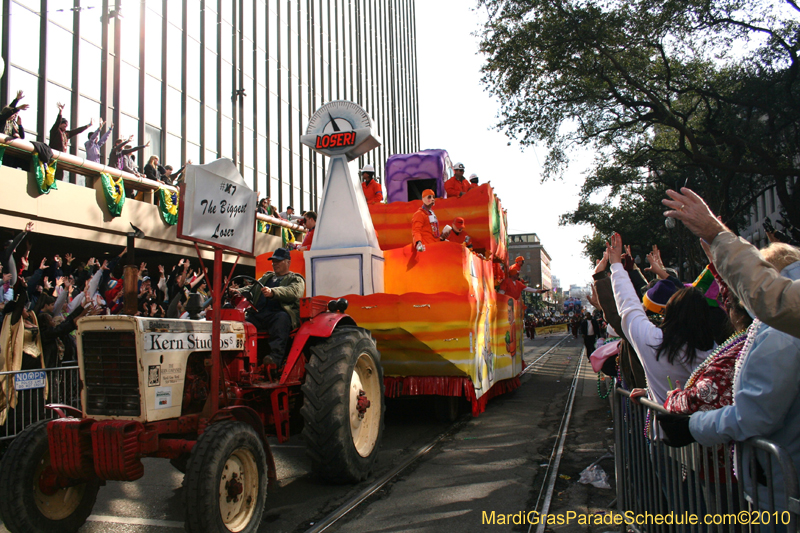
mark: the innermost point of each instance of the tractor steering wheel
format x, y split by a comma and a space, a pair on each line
246, 295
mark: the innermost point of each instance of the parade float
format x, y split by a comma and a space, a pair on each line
440, 326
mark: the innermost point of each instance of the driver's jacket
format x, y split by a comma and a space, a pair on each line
288, 294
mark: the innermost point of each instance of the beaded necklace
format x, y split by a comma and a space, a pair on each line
733, 341
748, 344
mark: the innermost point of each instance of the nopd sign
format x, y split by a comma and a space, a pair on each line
217, 207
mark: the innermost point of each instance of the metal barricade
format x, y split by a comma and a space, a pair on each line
697, 488
62, 386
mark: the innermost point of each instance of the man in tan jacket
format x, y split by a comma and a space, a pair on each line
773, 298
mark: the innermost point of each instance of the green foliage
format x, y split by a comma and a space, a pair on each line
702, 92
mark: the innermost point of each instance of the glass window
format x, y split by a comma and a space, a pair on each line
56, 94
154, 136
211, 155
173, 53
193, 68
89, 69
19, 80
226, 88
273, 35
261, 27
129, 89
248, 148
88, 110
248, 176
130, 34
193, 120
286, 194
155, 5
272, 162
211, 29
273, 118
226, 136
153, 46
211, 80
173, 152
247, 57
211, 130
152, 101
247, 16
59, 55
193, 18
261, 184
274, 187
283, 74
249, 100
174, 111
192, 153
24, 28
261, 119
128, 126
175, 12
226, 45
261, 153
92, 25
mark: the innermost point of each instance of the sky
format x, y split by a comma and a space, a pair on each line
457, 114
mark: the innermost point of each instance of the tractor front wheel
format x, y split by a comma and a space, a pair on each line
33, 497
225, 486
343, 405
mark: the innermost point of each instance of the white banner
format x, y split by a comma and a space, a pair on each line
218, 207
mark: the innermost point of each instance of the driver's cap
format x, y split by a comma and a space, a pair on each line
281, 254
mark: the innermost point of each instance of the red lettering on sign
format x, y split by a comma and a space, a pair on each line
336, 140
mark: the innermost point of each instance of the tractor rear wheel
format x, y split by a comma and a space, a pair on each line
343, 405
225, 486
32, 496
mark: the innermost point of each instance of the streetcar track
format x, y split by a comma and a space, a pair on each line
555, 456
355, 501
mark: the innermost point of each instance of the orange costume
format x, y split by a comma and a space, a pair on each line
372, 192
458, 238
424, 227
453, 187
511, 288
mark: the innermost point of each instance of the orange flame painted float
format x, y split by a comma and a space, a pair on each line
440, 326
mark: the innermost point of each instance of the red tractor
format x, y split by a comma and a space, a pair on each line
147, 391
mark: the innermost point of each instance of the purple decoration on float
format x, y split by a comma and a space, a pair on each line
425, 165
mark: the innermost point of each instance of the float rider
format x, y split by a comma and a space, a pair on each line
372, 189
424, 224
457, 185
277, 305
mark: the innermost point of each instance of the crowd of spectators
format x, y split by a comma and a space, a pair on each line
722, 353
47, 300
122, 154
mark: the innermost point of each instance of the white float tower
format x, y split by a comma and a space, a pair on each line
345, 257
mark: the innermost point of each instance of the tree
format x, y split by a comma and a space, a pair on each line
708, 86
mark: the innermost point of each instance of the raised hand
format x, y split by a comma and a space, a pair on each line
688, 207
142, 266
20, 95
46, 283
43, 264
601, 263
104, 266
28, 227
614, 249
60, 106
161, 269
68, 258
59, 281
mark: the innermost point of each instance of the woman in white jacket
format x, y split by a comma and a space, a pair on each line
671, 351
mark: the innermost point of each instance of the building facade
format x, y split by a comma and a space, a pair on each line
767, 205
536, 271
204, 79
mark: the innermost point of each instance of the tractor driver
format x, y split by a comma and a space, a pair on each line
277, 305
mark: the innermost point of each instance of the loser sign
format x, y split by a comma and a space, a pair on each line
218, 207
30, 380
